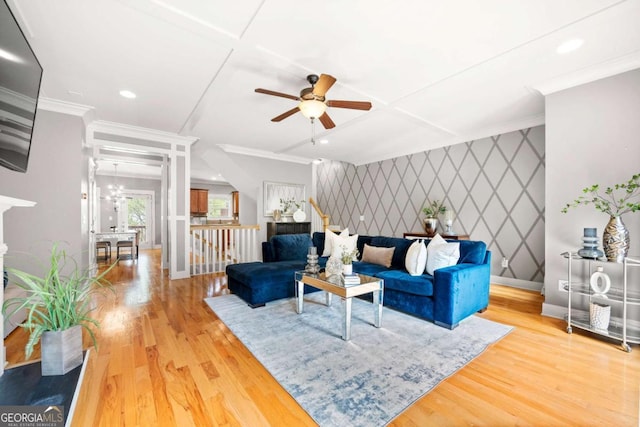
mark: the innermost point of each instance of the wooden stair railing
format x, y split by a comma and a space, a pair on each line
323, 216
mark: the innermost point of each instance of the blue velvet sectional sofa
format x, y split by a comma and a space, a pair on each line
450, 295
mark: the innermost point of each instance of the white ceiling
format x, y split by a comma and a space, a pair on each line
436, 72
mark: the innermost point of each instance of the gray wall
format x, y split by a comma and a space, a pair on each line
494, 185
593, 137
247, 174
106, 207
55, 179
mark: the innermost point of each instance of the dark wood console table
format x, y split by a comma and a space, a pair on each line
287, 227
422, 235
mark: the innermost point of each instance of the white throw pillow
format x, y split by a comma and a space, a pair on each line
329, 236
441, 253
416, 259
344, 244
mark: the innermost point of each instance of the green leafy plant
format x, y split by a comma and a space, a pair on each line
57, 301
348, 256
615, 201
434, 209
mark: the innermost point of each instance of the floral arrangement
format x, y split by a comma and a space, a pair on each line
615, 201
434, 209
348, 256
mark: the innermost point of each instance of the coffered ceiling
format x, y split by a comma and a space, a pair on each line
436, 72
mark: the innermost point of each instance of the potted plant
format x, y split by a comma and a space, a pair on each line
58, 306
347, 258
431, 211
615, 201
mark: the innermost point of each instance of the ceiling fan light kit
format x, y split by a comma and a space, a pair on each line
312, 109
313, 104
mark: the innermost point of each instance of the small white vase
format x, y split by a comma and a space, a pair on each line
347, 269
299, 215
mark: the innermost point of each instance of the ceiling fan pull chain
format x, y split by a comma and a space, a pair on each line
313, 131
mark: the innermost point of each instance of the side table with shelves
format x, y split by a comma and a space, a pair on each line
619, 295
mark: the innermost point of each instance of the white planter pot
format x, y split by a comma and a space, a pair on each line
61, 350
347, 268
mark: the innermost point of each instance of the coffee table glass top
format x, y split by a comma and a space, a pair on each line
336, 279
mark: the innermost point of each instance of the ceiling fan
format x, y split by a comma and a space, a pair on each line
313, 104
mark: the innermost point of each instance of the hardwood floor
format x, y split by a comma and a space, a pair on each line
164, 358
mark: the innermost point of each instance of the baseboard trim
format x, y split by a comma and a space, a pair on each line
555, 311
517, 283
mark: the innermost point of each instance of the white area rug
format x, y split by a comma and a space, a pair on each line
367, 381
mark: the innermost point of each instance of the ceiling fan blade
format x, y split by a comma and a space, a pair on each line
285, 115
326, 121
354, 105
323, 85
271, 92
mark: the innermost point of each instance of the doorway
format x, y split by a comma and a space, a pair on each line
137, 213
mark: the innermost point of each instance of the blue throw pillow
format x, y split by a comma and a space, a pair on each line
318, 241
472, 251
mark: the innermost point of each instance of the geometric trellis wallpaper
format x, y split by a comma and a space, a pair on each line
495, 187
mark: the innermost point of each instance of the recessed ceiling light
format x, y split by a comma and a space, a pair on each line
127, 94
569, 46
324, 141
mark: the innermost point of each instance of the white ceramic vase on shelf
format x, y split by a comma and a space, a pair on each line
299, 215
347, 269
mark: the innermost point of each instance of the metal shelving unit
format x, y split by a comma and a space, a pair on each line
618, 330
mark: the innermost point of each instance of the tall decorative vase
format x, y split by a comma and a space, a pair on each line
615, 240
430, 225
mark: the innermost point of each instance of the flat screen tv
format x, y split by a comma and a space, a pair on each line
20, 77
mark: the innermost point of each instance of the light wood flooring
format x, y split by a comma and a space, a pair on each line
165, 359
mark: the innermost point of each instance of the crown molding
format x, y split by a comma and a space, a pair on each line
486, 132
137, 132
235, 149
64, 107
603, 70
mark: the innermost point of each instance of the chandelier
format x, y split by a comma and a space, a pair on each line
115, 190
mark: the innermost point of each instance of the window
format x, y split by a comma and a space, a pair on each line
219, 206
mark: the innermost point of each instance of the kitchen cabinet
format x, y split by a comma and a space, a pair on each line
235, 205
199, 201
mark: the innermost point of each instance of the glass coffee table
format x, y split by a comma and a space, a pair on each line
334, 285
